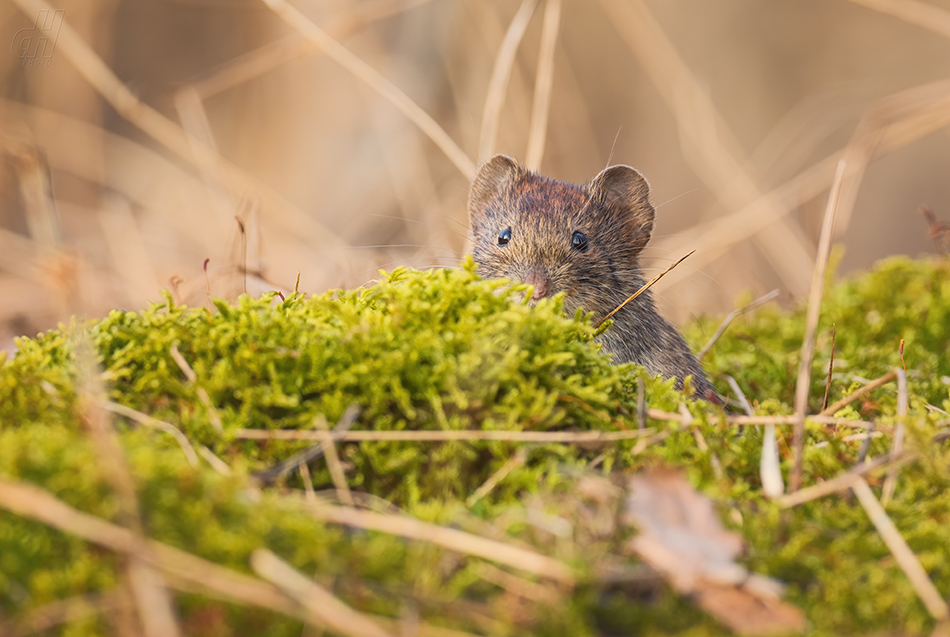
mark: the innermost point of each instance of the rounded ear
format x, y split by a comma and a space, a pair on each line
623, 188
492, 178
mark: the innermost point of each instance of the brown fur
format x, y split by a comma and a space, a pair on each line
614, 213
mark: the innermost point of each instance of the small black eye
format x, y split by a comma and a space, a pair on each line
504, 237
579, 242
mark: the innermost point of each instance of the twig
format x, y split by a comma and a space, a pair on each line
452, 539
905, 558
153, 603
537, 134
897, 445
866, 445
743, 401
501, 72
863, 437
732, 316
904, 117
310, 453
148, 421
333, 460
565, 437
516, 585
90, 66
184, 571
711, 147
568, 437
811, 324
352, 63
831, 365
871, 386
256, 63
510, 465
193, 379
841, 482
324, 607
642, 289
701, 442
309, 493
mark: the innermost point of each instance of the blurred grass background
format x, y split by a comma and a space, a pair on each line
156, 130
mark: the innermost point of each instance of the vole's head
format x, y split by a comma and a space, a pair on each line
584, 240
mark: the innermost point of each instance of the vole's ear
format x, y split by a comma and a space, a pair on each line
622, 189
493, 177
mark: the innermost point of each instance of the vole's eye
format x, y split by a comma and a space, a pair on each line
579, 242
504, 237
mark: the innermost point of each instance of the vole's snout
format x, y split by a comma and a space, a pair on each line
541, 283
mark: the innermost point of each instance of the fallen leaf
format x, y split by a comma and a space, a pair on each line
681, 537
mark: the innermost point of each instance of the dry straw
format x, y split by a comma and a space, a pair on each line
167, 133
543, 85
360, 69
501, 73
811, 325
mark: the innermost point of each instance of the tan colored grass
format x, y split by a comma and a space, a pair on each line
811, 324
543, 85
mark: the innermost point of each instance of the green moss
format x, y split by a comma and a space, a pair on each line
446, 351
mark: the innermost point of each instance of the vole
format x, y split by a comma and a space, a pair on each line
583, 240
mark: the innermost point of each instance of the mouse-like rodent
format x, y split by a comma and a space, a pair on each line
583, 240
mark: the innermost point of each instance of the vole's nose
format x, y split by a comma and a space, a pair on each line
541, 283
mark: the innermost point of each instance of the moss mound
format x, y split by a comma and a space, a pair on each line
446, 351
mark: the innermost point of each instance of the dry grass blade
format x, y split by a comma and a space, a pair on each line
148, 421
811, 325
197, 129
513, 463
199, 390
908, 562
312, 453
36, 191
452, 539
903, 117
711, 148
762, 300
897, 445
164, 131
831, 365
352, 63
183, 570
921, 14
847, 400
770, 469
129, 250
846, 480
324, 608
642, 289
333, 460
270, 56
515, 585
501, 72
740, 395
153, 602
544, 82
566, 437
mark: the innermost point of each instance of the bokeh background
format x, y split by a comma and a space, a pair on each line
232, 144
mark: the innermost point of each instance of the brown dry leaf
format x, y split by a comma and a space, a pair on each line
682, 538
